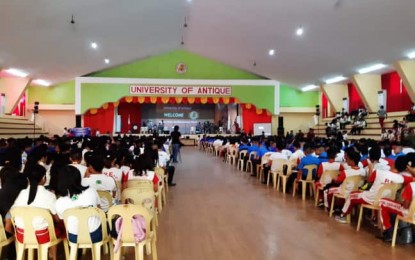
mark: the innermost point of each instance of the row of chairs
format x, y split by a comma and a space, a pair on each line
285, 168
138, 198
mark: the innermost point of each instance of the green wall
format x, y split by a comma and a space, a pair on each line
63, 93
291, 97
164, 66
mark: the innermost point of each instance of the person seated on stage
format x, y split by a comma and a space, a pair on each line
352, 159
330, 165
378, 178
100, 182
308, 159
279, 145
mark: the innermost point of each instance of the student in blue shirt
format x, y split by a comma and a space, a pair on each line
253, 148
397, 151
308, 159
257, 160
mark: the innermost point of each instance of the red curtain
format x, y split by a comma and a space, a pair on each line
355, 102
129, 112
325, 106
397, 96
250, 117
103, 120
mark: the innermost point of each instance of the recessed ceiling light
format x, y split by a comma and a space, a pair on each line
94, 45
309, 87
335, 79
107, 61
300, 31
371, 68
411, 55
17, 72
189, 1
41, 82
271, 52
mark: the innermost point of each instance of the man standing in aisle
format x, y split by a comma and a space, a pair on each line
382, 116
175, 142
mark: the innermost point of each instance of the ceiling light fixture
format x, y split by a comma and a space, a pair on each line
309, 87
185, 22
300, 31
335, 79
107, 61
41, 82
94, 45
271, 52
371, 68
411, 55
17, 72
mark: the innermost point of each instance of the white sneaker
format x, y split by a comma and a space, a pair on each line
341, 219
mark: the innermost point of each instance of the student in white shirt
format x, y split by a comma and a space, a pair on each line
35, 195
75, 156
163, 161
74, 195
110, 169
95, 179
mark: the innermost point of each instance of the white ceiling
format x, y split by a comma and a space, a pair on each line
340, 36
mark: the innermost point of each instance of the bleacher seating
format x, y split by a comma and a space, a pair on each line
372, 130
18, 127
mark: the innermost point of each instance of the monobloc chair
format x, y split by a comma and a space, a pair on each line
277, 165
26, 214
283, 177
309, 180
105, 195
249, 167
83, 216
260, 167
137, 196
326, 177
240, 164
128, 212
349, 184
410, 218
159, 170
387, 191
4, 241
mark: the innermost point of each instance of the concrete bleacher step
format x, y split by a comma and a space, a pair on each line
18, 127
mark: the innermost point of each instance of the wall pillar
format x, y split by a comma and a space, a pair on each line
335, 94
14, 89
368, 86
406, 70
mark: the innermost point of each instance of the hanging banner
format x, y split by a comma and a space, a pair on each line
180, 90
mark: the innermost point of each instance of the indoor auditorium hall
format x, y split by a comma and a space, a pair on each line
219, 212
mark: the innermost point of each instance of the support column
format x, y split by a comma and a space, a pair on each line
368, 86
406, 70
335, 94
14, 89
